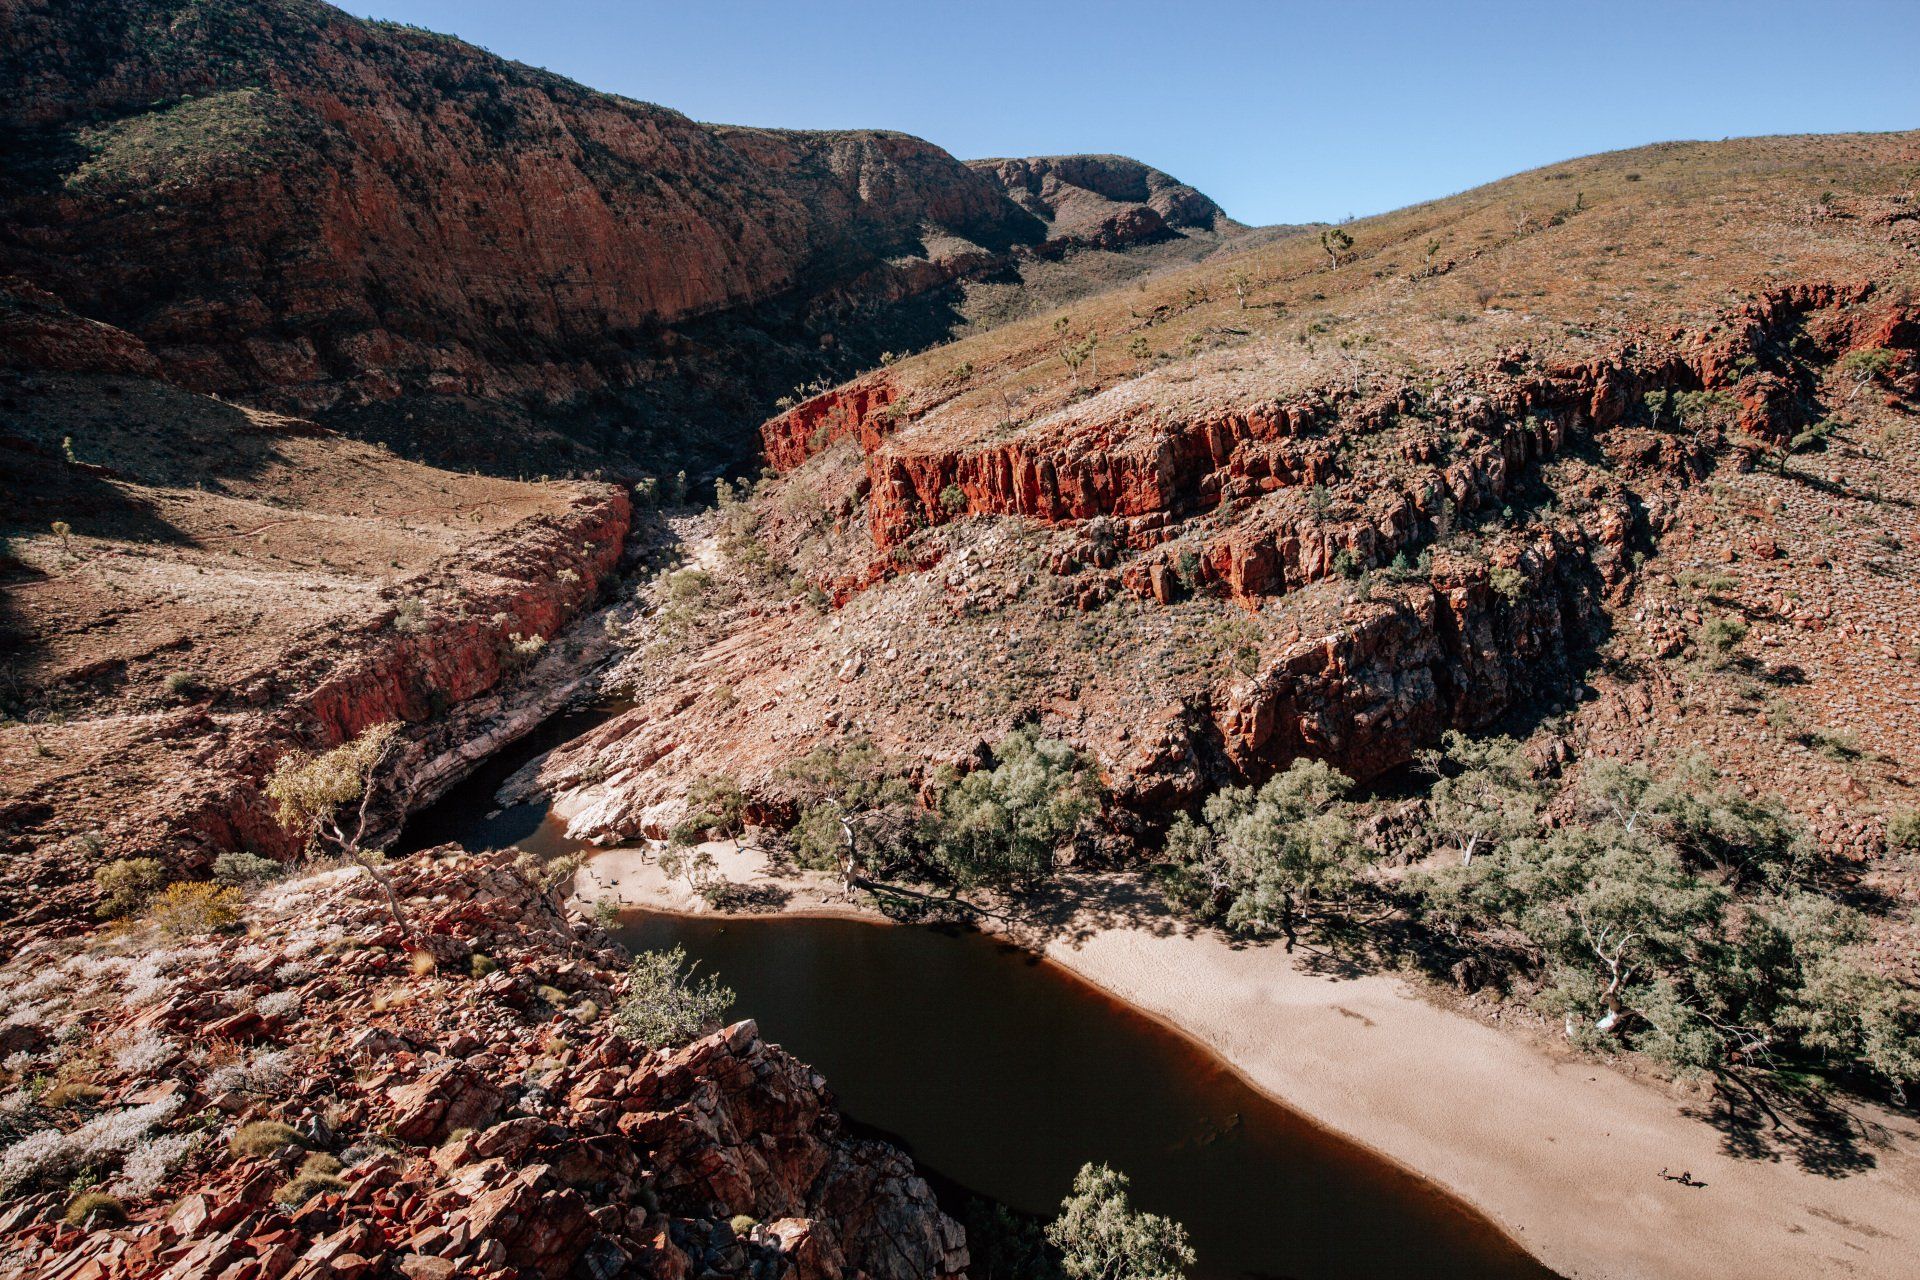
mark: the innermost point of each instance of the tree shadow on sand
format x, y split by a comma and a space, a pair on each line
1821, 1133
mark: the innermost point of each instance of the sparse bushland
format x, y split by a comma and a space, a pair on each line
1666, 914
666, 1005
1001, 825
739, 534
716, 807
1864, 366
1267, 861
176, 145
1006, 823
1663, 913
1337, 244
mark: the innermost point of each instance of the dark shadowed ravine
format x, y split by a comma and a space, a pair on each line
1002, 1073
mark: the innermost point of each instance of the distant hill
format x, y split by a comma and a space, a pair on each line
475, 260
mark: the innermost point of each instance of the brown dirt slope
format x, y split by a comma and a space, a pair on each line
192, 587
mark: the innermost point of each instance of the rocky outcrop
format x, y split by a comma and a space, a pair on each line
1103, 201
1450, 652
487, 1120
39, 332
530, 584
1456, 457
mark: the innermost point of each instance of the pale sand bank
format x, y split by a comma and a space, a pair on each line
1564, 1154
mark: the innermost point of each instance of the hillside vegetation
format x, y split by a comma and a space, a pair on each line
1605, 457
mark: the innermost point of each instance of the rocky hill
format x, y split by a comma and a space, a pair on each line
467, 258
429, 1086
1495, 461
190, 587
1104, 200
338, 1096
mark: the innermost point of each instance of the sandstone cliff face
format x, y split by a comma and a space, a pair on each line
331, 216
1447, 460
489, 1126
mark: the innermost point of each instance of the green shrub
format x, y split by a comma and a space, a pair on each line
1101, 1235
128, 884
1903, 830
410, 616
320, 1163
305, 1187
1719, 637
190, 908
1267, 861
480, 965
1864, 366
239, 870
1508, 582
953, 500
1005, 823
665, 1005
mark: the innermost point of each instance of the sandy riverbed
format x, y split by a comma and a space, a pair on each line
1563, 1152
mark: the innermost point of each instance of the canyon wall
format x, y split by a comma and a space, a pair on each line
456, 254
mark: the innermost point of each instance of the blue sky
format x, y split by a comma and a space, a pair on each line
1283, 112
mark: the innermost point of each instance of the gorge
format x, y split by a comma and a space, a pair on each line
1396, 738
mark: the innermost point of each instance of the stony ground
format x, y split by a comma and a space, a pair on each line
455, 1096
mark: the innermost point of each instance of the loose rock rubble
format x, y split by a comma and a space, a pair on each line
491, 1127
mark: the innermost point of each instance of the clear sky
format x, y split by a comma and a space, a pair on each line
1283, 112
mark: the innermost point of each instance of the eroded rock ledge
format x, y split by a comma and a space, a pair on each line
1257, 516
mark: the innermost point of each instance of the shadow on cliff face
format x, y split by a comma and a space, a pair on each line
706, 385
82, 441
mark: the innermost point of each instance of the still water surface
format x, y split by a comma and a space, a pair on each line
1001, 1074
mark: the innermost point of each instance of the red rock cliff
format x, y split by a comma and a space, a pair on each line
279, 198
